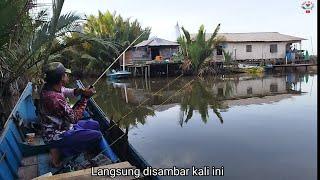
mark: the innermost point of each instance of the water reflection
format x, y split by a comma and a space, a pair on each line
198, 97
113, 99
263, 128
121, 100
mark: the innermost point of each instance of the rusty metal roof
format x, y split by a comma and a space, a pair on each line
156, 42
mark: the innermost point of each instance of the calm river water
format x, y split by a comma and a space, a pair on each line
256, 127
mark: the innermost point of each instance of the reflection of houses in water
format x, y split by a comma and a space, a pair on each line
250, 87
257, 100
237, 89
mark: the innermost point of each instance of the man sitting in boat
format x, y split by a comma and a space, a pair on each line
62, 126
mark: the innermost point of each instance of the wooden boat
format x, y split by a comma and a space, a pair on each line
252, 69
246, 66
119, 74
22, 160
268, 67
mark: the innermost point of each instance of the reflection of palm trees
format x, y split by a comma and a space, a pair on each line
118, 110
197, 97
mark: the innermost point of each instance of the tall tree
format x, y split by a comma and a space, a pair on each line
115, 27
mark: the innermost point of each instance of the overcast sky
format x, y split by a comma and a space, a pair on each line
283, 16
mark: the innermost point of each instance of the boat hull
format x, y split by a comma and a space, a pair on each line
119, 74
13, 146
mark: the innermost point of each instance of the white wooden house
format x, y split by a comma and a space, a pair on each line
258, 46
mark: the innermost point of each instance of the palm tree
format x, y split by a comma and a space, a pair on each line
31, 45
84, 53
112, 26
197, 51
227, 57
27, 43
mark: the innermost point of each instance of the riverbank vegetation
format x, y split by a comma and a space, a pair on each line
30, 39
86, 58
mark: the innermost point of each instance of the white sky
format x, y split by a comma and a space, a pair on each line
283, 16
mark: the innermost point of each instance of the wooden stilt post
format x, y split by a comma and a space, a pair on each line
146, 72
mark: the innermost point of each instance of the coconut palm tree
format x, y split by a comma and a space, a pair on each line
84, 53
198, 51
113, 26
29, 42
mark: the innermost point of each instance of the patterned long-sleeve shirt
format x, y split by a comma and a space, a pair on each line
57, 115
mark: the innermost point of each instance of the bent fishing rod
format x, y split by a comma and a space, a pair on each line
91, 86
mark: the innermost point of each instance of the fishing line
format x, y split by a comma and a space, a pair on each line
187, 84
116, 59
115, 123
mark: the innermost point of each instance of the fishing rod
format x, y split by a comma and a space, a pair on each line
116, 60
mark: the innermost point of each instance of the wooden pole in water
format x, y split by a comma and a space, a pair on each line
125, 93
286, 59
123, 61
146, 78
146, 72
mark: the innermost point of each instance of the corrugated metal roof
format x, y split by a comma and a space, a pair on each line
156, 42
255, 37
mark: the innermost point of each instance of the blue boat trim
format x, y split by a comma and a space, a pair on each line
119, 74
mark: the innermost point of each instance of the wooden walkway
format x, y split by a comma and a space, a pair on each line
155, 69
87, 174
293, 65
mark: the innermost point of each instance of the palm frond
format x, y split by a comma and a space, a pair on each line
67, 23
187, 35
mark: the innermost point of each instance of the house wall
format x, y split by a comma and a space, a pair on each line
128, 58
143, 54
260, 50
136, 54
167, 52
140, 53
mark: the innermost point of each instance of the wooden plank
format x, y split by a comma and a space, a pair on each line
86, 173
28, 172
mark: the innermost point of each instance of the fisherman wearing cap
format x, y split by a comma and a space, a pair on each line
62, 127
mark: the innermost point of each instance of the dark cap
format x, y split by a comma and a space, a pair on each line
56, 68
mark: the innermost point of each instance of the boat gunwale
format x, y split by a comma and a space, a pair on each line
21, 98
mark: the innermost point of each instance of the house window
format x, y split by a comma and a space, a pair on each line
273, 48
219, 50
248, 48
